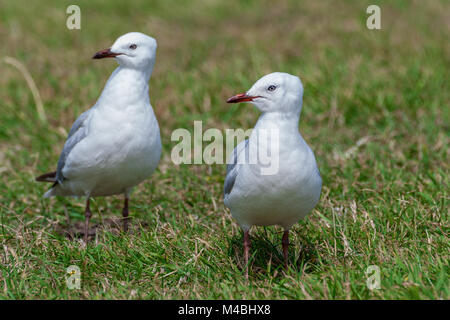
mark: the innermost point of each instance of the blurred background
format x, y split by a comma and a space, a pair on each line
375, 112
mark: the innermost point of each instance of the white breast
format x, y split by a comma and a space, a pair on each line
281, 198
122, 149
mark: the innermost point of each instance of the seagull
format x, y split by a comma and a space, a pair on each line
292, 189
116, 144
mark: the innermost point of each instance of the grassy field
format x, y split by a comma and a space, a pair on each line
376, 113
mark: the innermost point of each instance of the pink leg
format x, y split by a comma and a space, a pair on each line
125, 215
87, 216
285, 243
246, 251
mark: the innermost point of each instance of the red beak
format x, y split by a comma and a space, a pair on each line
242, 97
107, 53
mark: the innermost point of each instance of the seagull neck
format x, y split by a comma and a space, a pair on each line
286, 121
125, 73
125, 86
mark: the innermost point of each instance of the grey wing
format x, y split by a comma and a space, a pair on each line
233, 167
76, 134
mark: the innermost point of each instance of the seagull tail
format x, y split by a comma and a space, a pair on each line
47, 177
49, 193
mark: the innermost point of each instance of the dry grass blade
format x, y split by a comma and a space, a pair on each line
31, 84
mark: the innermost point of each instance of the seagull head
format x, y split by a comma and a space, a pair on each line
134, 50
274, 92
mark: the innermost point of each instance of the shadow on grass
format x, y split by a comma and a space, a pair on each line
75, 230
266, 256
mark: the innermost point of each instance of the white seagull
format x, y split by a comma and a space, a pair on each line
290, 191
116, 144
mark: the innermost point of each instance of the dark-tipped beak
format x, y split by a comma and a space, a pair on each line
107, 53
242, 97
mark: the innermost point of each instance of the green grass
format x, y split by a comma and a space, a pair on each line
384, 200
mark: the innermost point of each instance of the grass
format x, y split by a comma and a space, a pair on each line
376, 113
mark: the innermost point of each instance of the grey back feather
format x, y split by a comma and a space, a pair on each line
76, 134
233, 167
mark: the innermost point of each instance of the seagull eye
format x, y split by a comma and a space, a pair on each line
271, 88
133, 46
